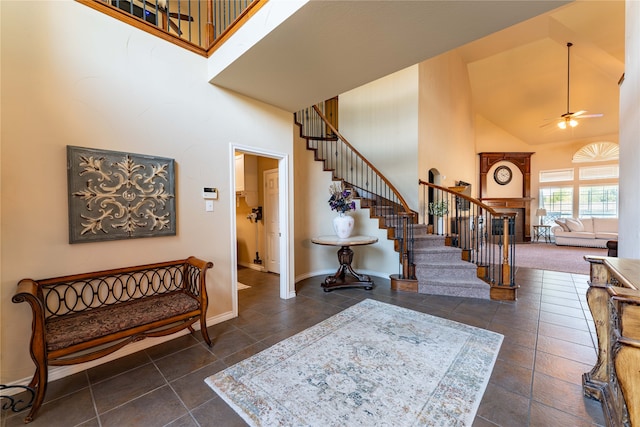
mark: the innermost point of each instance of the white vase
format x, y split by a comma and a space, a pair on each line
343, 225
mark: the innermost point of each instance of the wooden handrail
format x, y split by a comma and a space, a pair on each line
467, 198
404, 204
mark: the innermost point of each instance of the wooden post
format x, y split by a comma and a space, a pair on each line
211, 35
506, 269
614, 302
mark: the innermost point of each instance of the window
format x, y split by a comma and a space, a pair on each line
597, 152
598, 200
558, 201
599, 172
556, 175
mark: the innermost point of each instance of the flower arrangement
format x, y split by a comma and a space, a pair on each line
341, 199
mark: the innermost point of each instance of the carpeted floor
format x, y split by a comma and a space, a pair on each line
372, 364
548, 256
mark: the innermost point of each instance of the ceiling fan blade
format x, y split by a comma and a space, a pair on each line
578, 113
590, 116
548, 124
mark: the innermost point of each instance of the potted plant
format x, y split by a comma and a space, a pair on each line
439, 209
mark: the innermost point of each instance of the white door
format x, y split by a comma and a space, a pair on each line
272, 220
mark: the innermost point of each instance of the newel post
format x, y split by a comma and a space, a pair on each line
505, 267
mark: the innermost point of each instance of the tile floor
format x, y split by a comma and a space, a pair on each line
548, 344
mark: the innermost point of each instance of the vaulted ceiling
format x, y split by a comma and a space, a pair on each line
519, 75
515, 51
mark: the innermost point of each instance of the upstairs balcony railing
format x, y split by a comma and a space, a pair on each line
197, 25
486, 237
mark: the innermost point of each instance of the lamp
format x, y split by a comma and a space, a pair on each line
540, 213
568, 121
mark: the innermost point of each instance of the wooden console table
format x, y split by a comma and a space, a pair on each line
614, 302
345, 257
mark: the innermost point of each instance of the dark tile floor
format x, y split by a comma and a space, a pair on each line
549, 343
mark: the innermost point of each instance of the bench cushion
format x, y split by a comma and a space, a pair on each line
69, 330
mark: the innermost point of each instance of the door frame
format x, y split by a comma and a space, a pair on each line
287, 285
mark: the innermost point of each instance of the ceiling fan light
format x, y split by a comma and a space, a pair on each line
562, 124
573, 123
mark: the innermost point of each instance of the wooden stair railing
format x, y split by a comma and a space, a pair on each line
199, 26
486, 237
373, 189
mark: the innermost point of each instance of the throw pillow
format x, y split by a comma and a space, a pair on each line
562, 224
574, 224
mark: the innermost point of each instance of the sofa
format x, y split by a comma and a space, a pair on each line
588, 232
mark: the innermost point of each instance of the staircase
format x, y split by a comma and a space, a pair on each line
430, 264
440, 269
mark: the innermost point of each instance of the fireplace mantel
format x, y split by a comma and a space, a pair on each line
523, 162
521, 205
507, 202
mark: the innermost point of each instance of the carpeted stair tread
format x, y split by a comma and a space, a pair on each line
470, 288
456, 291
463, 283
454, 264
429, 241
437, 250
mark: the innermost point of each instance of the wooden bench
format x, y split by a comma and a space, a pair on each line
83, 317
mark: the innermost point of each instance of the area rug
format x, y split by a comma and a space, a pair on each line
372, 364
545, 256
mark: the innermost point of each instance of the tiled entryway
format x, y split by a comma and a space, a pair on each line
548, 344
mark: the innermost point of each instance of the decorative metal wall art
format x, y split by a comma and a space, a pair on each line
115, 195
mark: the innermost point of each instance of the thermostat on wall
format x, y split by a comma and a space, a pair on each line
210, 193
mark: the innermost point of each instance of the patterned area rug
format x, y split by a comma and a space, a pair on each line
369, 365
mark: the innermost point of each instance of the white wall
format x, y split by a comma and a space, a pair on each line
425, 110
381, 120
629, 246
446, 125
73, 76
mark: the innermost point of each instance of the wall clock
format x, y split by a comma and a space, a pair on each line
503, 175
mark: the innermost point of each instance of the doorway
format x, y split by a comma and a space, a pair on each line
256, 232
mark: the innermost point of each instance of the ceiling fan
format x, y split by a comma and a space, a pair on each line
570, 119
